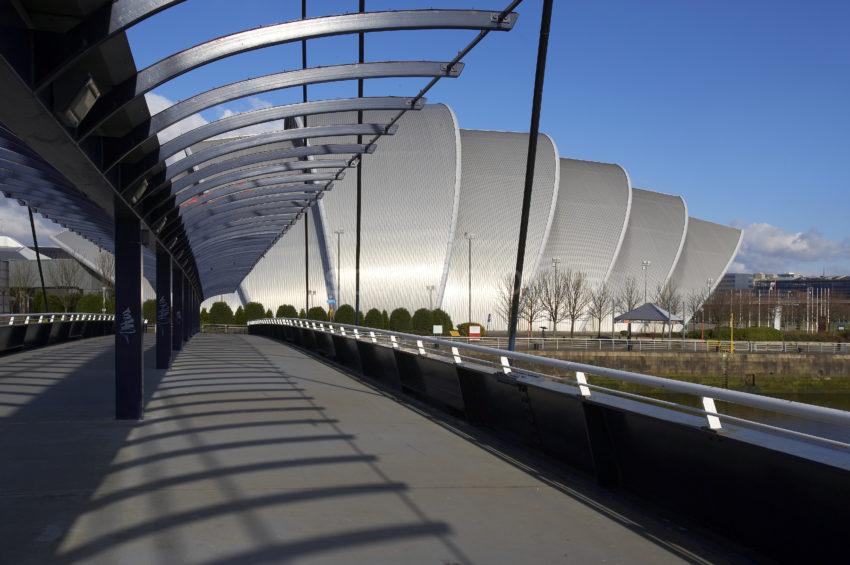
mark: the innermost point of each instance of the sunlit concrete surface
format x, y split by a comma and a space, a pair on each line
252, 452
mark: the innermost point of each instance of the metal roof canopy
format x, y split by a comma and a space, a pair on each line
213, 195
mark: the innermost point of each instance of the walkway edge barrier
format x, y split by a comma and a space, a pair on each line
765, 487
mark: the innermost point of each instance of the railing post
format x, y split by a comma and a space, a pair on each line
129, 339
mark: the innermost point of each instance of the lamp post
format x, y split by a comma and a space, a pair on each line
644, 265
338, 255
311, 294
708, 283
555, 262
430, 288
103, 300
469, 237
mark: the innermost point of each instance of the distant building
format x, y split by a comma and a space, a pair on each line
735, 281
838, 285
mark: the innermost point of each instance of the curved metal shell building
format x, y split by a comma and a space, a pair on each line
432, 183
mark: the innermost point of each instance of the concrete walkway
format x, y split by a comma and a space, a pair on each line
252, 452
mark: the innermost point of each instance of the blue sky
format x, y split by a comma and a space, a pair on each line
741, 107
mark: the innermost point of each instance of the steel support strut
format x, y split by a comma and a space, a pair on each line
187, 307
129, 331
540, 73
361, 56
177, 307
163, 308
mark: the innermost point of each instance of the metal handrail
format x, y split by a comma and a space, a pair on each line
50, 317
707, 393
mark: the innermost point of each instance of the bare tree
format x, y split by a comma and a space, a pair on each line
554, 287
694, 303
504, 295
578, 296
531, 303
106, 269
601, 305
22, 278
66, 274
629, 296
667, 298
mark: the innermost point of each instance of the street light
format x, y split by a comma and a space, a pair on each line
708, 283
103, 297
311, 294
644, 265
469, 237
430, 288
555, 262
338, 255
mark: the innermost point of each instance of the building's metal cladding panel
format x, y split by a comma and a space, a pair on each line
492, 182
590, 219
410, 191
708, 251
278, 278
655, 233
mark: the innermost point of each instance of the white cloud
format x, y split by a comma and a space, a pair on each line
768, 248
158, 103
15, 222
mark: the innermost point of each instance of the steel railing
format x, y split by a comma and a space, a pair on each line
50, 317
582, 374
224, 329
650, 345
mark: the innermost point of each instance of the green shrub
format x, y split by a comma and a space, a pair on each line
286, 311
220, 313
374, 319
269, 313
149, 310
400, 320
302, 314
385, 319
91, 303
463, 329
344, 314
205, 316
239, 316
53, 304
317, 313
442, 318
422, 322
254, 311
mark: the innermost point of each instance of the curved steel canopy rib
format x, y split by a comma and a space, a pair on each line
144, 136
242, 144
246, 212
299, 30
279, 186
246, 174
249, 159
256, 205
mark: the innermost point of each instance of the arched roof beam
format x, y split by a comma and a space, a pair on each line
254, 158
247, 174
121, 95
144, 135
226, 211
252, 182
136, 172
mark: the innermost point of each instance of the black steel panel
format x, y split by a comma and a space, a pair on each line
378, 363
346, 353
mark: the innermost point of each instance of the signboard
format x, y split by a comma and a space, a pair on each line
475, 332
437, 330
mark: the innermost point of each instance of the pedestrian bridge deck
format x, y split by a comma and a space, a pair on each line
251, 451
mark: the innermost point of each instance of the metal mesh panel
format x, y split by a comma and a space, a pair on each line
490, 203
590, 217
708, 251
655, 233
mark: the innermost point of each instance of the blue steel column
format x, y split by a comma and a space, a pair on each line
129, 332
163, 308
177, 307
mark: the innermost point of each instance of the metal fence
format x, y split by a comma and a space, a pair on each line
223, 329
581, 376
660, 345
49, 317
